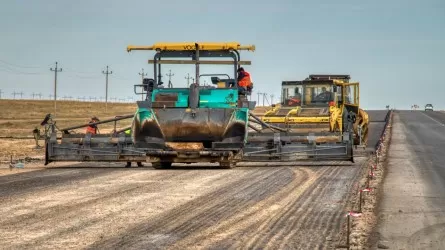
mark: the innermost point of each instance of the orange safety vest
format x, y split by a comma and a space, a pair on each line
293, 101
91, 130
245, 81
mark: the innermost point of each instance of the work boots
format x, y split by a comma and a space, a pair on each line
129, 164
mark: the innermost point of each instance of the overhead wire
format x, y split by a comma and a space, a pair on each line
17, 72
23, 66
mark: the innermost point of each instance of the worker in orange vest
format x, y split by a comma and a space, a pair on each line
92, 128
244, 80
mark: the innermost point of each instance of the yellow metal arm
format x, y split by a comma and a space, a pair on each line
191, 46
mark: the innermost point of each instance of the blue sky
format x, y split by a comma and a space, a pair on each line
394, 48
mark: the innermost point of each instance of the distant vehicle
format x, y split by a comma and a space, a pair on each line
429, 107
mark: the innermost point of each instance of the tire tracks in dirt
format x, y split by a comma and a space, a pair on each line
320, 226
304, 216
75, 205
78, 215
12, 185
281, 227
299, 230
204, 212
247, 207
250, 216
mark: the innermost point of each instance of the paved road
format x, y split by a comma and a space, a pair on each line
376, 126
412, 213
377, 115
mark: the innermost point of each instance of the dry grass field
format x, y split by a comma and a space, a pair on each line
19, 117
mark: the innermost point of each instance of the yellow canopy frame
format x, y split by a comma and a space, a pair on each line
191, 46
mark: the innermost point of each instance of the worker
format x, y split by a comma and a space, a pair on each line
244, 80
324, 96
128, 132
296, 99
92, 128
36, 133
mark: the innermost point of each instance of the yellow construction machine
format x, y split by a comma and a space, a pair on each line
318, 118
324, 104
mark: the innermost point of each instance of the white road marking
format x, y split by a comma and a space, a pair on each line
433, 119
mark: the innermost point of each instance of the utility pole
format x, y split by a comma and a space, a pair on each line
33, 95
265, 97
170, 85
1, 92
39, 95
106, 87
142, 74
188, 77
259, 93
21, 94
14, 94
271, 98
56, 70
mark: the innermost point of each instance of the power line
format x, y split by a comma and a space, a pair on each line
8, 69
188, 77
22, 66
106, 86
170, 85
56, 70
83, 77
18, 93
79, 72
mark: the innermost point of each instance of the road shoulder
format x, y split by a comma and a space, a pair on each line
408, 217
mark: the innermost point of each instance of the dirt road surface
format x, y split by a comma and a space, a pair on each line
412, 212
105, 206
110, 206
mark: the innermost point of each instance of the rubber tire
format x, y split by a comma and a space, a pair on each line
162, 165
227, 165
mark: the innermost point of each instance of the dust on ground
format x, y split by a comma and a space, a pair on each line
108, 206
